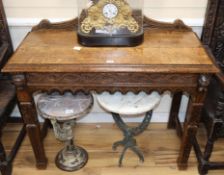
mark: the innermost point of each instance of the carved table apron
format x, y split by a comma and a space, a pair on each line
170, 59
112, 82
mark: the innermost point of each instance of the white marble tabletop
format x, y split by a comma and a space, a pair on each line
128, 104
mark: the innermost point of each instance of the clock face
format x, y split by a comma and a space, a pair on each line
110, 11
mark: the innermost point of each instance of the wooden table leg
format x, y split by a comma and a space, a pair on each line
192, 120
174, 110
29, 115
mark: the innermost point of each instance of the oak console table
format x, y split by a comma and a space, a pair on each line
170, 59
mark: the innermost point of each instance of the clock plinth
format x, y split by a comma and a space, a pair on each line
94, 41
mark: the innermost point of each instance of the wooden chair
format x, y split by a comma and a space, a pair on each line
7, 103
213, 119
7, 96
213, 110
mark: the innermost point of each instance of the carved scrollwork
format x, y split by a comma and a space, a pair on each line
203, 81
176, 25
212, 8
220, 108
112, 82
66, 25
218, 39
110, 78
19, 80
213, 34
148, 23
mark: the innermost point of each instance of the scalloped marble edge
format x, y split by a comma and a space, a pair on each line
122, 109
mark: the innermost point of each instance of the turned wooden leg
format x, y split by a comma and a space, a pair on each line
189, 131
174, 110
29, 115
191, 123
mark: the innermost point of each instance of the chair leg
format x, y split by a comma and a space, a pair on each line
2, 152
211, 139
208, 149
4, 168
203, 168
204, 165
6, 161
17, 144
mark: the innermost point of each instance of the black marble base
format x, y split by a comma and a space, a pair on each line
115, 41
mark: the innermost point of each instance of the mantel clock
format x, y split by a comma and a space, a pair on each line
110, 22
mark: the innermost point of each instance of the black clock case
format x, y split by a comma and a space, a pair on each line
113, 41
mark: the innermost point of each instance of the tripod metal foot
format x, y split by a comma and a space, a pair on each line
128, 143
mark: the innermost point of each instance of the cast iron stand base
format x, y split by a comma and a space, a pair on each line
129, 142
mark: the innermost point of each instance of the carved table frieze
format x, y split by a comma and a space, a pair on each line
112, 82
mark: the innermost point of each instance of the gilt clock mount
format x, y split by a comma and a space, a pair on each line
110, 22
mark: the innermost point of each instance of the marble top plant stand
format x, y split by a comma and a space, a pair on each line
62, 110
129, 104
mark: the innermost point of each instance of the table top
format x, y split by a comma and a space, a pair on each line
163, 51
